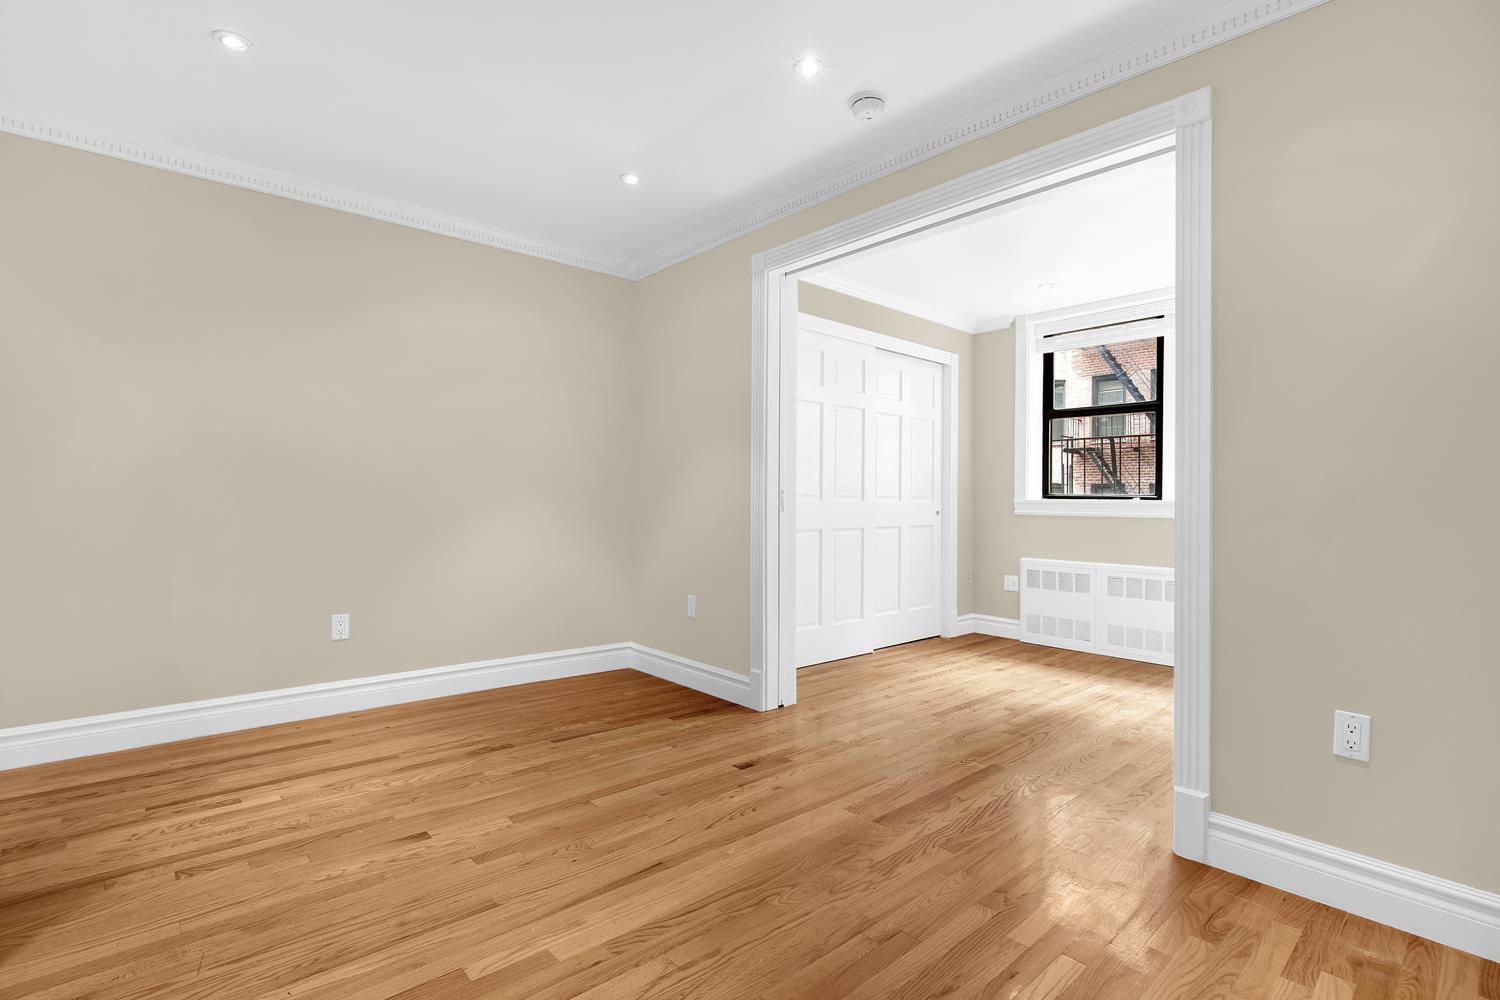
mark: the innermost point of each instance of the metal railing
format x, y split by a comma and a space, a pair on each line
1104, 465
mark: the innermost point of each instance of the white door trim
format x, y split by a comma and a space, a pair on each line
948, 502
773, 395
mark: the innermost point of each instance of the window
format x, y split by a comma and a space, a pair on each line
1101, 425
1094, 412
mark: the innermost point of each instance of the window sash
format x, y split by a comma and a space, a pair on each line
1051, 411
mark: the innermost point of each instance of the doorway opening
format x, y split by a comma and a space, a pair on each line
1151, 455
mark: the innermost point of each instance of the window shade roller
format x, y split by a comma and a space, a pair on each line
1112, 333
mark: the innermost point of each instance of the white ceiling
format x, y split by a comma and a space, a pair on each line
1094, 239
521, 116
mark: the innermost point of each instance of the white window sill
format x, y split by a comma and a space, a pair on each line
1095, 508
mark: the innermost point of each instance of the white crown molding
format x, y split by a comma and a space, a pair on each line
995, 324
868, 293
1459, 916
1219, 25
94, 139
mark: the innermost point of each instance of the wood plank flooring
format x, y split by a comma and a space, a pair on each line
968, 818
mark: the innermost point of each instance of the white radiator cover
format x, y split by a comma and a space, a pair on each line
1099, 607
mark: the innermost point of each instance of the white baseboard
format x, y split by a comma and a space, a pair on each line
1189, 823
1452, 914
48, 741
1002, 628
44, 742
703, 677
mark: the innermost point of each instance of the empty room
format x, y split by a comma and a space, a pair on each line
837, 500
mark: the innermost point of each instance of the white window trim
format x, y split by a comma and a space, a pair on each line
1028, 444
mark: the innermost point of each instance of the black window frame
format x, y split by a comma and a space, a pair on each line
1051, 411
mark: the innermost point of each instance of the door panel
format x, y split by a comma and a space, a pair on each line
809, 579
849, 372
809, 449
887, 572
848, 453
848, 575
887, 456
921, 551
920, 447
869, 447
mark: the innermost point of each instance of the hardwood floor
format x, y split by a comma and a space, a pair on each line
967, 818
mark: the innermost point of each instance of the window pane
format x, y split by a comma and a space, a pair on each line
1099, 376
1113, 455
1108, 390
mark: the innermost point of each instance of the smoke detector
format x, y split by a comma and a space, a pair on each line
867, 105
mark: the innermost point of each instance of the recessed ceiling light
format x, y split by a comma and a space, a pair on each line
1045, 286
629, 178
232, 41
809, 66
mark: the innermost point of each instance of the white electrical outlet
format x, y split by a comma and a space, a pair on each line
1351, 735
1012, 583
340, 628
692, 605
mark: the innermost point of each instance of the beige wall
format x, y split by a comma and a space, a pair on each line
225, 416
1001, 537
1355, 221
818, 301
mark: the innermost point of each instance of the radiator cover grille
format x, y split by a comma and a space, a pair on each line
1099, 607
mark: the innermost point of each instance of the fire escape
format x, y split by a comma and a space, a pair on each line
1095, 448
1095, 453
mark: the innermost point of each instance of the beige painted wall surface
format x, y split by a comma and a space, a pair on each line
225, 416
1003, 538
818, 301
1355, 231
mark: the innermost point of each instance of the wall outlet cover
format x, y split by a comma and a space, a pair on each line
692, 605
339, 627
1013, 583
1351, 735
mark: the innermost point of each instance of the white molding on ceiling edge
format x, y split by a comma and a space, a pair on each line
206, 166
1219, 25
1000, 628
23, 746
1447, 912
961, 322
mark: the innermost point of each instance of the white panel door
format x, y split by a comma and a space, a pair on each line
869, 466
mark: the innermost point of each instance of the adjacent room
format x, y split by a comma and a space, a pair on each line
831, 501
1037, 335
